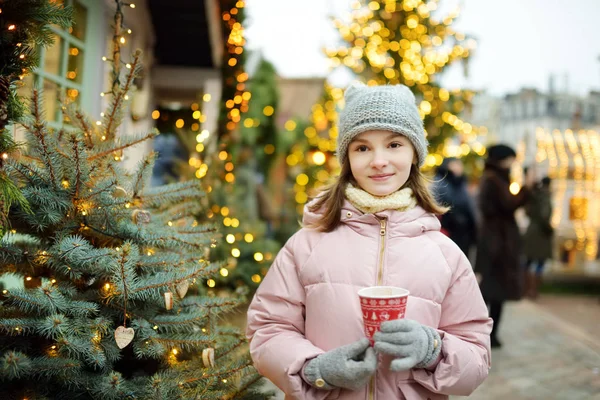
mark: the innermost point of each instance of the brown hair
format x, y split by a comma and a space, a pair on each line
331, 198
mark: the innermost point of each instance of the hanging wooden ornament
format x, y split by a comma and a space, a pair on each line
208, 357
140, 217
123, 336
119, 192
168, 300
182, 288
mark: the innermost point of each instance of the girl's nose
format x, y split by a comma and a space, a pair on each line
379, 162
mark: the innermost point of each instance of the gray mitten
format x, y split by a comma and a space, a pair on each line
415, 345
348, 367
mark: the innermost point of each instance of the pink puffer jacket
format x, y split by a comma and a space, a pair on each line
308, 304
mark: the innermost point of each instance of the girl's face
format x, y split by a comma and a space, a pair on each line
380, 161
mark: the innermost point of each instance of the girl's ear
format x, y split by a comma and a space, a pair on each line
353, 90
405, 92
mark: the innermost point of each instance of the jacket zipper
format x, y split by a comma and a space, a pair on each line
382, 231
381, 252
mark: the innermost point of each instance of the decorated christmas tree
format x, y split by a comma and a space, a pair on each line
107, 263
390, 42
24, 28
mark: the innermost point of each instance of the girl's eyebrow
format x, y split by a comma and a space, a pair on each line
390, 137
394, 136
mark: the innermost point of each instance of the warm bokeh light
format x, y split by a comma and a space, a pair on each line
318, 158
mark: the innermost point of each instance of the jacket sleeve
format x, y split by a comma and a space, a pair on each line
276, 329
465, 329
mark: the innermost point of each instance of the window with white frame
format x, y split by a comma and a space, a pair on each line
63, 66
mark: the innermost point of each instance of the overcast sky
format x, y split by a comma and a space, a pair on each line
520, 42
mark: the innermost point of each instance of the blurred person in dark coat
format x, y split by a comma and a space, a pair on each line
538, 237
499, 247
450, 190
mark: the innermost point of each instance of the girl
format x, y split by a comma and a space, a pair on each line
375, 226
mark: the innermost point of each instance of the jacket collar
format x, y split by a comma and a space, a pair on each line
409, 223
412, 222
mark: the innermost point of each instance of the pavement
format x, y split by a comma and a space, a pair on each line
544, 356
551, 351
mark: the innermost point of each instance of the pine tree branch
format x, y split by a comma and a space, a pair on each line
120, 93
102, 232
29, 173
174, 189
242, 389
58, 151
40, 134
34, 304
116, 64
224, 304
197, 231
185, 209
231, 350
10, 254
162, 323
188, 243
54, 367
17, 326
122, 263
162, 263
86, 127
172, 282
112, 150
78, 160
218, 374
188, 343
30, 158
9, 195
109, 188
144, 168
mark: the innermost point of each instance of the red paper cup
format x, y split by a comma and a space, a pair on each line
380, 304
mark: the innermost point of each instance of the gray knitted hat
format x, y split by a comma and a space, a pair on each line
390, 108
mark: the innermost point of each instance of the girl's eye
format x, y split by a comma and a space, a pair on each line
361, 148
395, 145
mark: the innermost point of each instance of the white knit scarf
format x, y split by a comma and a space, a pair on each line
402, 200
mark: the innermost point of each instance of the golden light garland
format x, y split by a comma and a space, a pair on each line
572, 160
236, 106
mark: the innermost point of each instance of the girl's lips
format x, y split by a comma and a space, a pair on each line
382, 177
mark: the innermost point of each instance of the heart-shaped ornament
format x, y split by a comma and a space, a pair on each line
123, 336
182, 288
